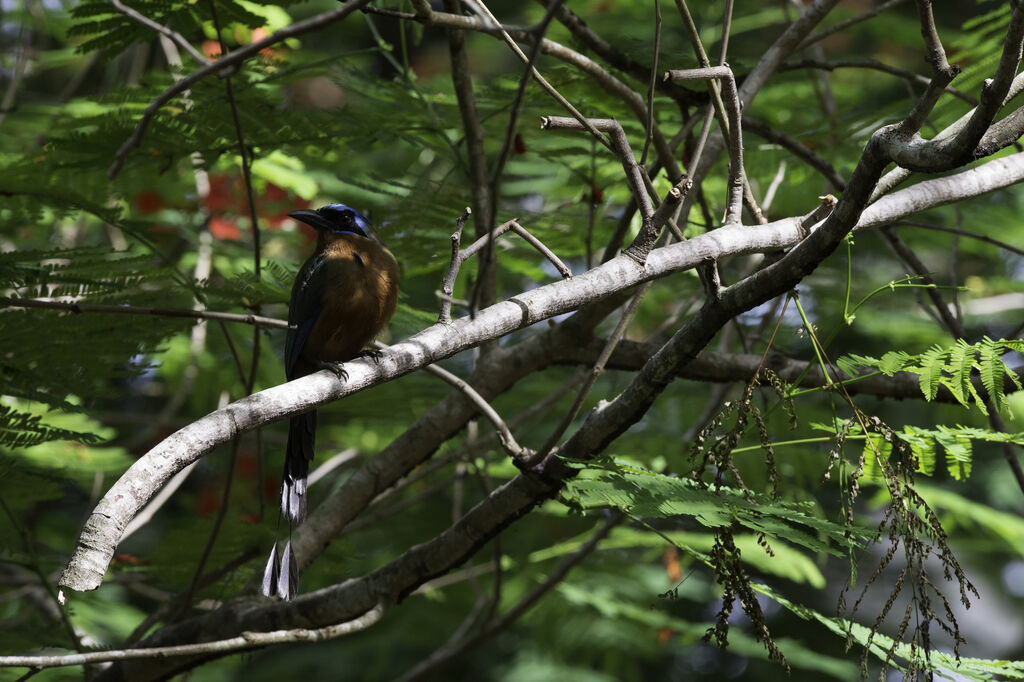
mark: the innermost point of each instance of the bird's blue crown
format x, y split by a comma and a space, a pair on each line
344, 219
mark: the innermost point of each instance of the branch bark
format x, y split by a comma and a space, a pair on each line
103, 529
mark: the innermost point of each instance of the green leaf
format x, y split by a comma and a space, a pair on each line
893, 361
930, 371
958, 452
992, 370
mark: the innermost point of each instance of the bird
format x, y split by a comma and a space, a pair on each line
343, 296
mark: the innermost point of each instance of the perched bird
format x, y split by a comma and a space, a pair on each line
342, 297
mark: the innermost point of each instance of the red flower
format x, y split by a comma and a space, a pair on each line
147, 201
224, 229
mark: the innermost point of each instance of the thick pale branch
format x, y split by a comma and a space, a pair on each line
103, 529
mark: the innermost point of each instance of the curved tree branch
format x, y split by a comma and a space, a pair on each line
104, 527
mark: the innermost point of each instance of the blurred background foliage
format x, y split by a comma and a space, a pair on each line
363, 112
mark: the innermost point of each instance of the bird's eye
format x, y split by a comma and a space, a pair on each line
346, 218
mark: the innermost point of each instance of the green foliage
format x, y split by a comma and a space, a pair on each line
364, 111
644, 493
20, 429
906, 657
956, 442
952, 367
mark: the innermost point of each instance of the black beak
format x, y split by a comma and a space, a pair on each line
311, 218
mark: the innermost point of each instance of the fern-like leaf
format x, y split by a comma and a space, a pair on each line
992, 370
930, 371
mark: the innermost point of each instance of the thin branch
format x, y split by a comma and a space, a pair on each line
964, 233
619, 60
517, 101
459, 257
530, 239
448, 282
475, 444
508, 442
6, 302
644, 195
595, 371
773, 186
936, 55
725, 120
457, 646
485, 286
755, 80
652, 84
332, 463
536, 74
245, 641
874, 65
224, 66
734, 133
843, 25
620, 145
178, 39
797, 149
102, 530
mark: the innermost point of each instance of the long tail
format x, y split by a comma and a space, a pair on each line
297, 456
280, 577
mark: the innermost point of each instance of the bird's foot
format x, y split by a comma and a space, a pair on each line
336, 368
372, 353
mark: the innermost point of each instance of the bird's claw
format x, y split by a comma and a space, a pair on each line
336, 368
372, 353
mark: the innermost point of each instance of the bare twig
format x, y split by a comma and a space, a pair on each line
644, 195
562, 268
596, 370
773, 186
797, 149
620, 145
517, 102
486, 13
874, 65
508, 441
256, 320
652, 84
243, 642
731, 102
178, 39
456, 646
964, 233
223, 66
485, 285
459, 257
936, 55
619, 60
448, 283
843, 25
729, 129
